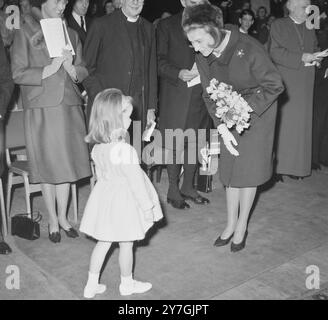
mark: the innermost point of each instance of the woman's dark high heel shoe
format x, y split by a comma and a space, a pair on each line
54, 237
239, 246
71, 232
222, 242
4, 248
279, 178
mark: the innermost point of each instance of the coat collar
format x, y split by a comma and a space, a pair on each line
229, 50
124, 18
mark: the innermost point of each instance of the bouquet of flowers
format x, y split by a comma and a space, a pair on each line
232, 108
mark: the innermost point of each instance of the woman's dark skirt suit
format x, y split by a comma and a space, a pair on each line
246, 66
53, 117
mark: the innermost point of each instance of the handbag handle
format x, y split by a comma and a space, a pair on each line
38, 217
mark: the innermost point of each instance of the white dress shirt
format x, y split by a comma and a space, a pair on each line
77, 18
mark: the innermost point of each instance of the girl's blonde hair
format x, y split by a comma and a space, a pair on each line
106, 122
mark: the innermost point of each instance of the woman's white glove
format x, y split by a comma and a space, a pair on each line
228, 139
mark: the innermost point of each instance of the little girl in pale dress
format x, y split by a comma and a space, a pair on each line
123, 205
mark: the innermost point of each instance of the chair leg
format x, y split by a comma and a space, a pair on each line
74, 198
9, 187
149, 172
159, 174
27, 194
3, 211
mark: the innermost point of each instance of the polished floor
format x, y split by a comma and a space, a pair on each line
287, 244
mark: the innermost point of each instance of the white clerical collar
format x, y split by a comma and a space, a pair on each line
218, 51
242, 31
295, 20
129, 18
77, 18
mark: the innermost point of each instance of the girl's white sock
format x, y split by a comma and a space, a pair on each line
93, 279
126, 280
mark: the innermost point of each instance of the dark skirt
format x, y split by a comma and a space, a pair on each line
56, 150
254, 165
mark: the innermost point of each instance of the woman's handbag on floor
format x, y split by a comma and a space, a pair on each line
209, 166
204, 182
26, 226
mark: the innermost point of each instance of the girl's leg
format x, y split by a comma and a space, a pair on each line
62, 194
97, 259
49, 196
232, 198
126, 258
247, 196
128, 285
98, 256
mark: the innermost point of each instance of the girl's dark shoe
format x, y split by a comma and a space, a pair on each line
222, 242
239, 246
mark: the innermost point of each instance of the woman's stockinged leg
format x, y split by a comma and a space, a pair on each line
62, 194
49, 196
247, 196
126, 258
98, 256
232, 199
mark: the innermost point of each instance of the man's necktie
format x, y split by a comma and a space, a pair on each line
82, 23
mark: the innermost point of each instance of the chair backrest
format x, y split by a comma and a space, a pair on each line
15, 135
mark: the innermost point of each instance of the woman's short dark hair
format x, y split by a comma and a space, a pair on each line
247, 12
204, 16
262, 8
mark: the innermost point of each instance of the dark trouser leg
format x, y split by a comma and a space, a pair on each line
189, 168
173, 171
187, 187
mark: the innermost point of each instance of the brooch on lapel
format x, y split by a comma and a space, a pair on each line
37, 40
240, 53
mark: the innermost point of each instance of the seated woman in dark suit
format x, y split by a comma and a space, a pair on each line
246, 160
6, 89
54, 120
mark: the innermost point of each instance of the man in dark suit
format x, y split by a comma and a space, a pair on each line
181, 107
6, 89
77, 19
120, 52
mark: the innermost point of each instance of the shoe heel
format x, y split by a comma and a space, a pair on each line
240, 246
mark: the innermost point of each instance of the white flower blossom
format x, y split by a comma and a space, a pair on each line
232, 108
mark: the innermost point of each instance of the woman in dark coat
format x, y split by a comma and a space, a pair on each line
54, 120
6, 89
246, 159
